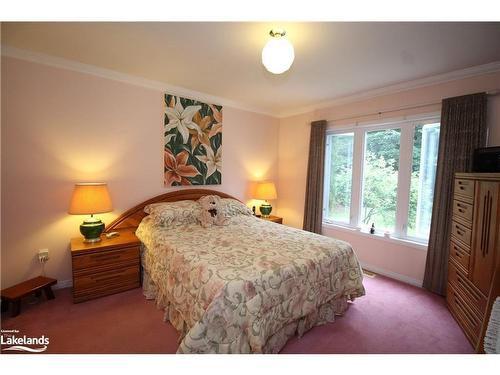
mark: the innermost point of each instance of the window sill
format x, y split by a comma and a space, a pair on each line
377, 236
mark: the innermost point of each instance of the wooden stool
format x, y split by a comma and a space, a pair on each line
16, 292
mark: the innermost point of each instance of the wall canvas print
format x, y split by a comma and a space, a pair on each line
193, 142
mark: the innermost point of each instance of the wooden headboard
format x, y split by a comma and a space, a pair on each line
132, 217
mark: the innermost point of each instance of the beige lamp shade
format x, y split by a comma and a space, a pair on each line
266, 190
90, 198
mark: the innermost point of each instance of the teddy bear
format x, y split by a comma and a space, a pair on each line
210, 211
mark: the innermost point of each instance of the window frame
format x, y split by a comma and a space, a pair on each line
407, 125
326, 178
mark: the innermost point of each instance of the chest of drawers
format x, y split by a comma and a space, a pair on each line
106, 267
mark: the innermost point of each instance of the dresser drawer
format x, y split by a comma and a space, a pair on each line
464, 187
463, 210
97, 259
460, 255
96, 280
461, 232
469, 292
467, 319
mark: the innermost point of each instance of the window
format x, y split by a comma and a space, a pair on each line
383, 174
340, 161
380, 178
423, 176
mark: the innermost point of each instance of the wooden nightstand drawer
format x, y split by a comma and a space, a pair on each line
274, 219
118, 276
84, 261
103, 290
109, 266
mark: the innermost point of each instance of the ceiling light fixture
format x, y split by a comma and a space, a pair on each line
278, 53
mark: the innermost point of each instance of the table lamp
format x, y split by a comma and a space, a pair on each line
265, 190
89, 199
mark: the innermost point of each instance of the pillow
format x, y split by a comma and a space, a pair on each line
232, 207
172, 214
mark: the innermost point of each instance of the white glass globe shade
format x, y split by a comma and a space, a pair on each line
278, 55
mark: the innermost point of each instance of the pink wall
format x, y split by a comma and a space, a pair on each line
397, 260
60, 127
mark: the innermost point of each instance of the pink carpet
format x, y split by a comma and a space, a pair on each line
392, 318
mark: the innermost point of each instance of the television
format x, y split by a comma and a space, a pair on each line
486, 160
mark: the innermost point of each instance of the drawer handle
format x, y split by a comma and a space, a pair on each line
460, 233
108, 277
460, 210
106, 256
466, 314
466, 287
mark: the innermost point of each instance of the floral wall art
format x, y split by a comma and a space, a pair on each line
193, 142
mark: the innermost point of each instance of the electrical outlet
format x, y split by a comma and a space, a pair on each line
43, 255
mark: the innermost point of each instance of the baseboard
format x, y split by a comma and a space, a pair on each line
61, 284
392, 275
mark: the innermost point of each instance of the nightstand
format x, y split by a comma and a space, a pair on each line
106, 267
275, 219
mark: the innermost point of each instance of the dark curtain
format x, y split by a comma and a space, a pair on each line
313, 210
463, 129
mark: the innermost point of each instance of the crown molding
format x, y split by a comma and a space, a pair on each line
399, 87
62, 63
75, 66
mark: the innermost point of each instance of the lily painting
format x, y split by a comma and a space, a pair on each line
193, 142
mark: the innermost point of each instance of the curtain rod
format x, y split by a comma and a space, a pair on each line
397, 109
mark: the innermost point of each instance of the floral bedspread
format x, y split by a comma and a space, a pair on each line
248, 286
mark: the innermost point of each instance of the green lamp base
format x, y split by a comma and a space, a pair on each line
265, 209
91, 229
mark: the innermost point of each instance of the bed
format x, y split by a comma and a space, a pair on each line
244, 287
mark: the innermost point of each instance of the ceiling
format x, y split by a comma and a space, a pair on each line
332, 59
